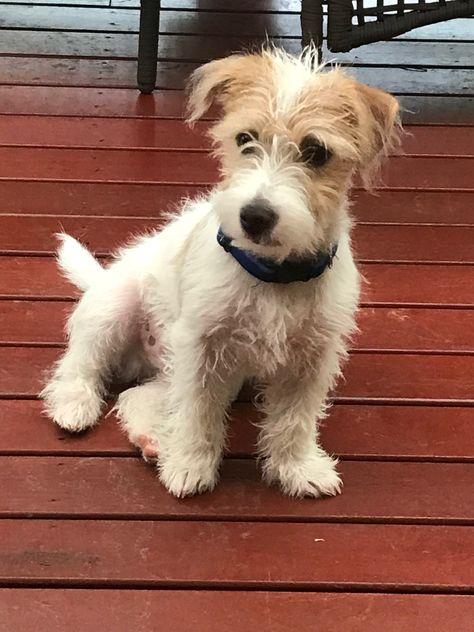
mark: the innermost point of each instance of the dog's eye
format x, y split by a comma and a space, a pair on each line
314, 153
244, 138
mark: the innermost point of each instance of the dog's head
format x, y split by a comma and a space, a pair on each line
289, 141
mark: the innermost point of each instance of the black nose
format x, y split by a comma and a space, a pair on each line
257, 218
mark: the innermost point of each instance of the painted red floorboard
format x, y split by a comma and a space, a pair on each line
194, 168
351, 431
381, 376
90, 102
437, 244
401, 285
131, 199
97, 487
134, 133
215, 611
398, 423
106, 102
381, 328
368, 376
24, 131
242, 555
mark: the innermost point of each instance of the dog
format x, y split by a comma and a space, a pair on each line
256, 280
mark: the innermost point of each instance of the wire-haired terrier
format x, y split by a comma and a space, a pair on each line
254, 280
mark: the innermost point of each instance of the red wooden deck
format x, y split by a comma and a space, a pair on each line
89, 540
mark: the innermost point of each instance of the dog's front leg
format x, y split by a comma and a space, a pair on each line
288, 439
192, 443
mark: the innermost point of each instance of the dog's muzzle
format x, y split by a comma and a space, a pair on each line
258, 219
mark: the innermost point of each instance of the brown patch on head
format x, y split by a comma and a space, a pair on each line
220, 81
283, 104
379, 125
253, 88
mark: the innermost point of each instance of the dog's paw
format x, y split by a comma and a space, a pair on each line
313, 476
190, 478
74, 406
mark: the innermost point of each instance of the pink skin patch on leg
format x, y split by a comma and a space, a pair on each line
148, 446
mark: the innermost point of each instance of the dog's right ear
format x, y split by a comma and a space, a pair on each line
211, 84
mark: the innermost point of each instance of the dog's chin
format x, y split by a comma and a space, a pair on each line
268, 247
265, 241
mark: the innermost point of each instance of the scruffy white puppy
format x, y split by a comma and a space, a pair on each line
256, 280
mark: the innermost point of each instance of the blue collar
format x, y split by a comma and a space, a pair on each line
270, 271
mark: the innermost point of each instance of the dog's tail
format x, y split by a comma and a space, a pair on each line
77, 263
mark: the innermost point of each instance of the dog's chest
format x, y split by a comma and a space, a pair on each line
264, 336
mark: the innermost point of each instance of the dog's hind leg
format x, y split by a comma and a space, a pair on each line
99, 330
141, 413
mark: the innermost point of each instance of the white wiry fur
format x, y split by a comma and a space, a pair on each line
217, 325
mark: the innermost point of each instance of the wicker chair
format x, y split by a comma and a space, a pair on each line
386, 19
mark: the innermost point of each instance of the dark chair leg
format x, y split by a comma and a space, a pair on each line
312, 24
148, 45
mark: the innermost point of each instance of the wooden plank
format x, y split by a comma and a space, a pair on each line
112, 165
172, 75
32, 276
444, 141
381, 377
423, 330
40, 198
368, 376
70, 3
413, 54
215, 611
96, 488
95, 102
418, 285
191, 22
36, 235
247, 6
89, 102
202, 48
415, 330
107, 165
390, 285
418, 433
401, 285
411, 207
437, 110
28, 131
437, 244
35, 363
454, 82
258, 555
86, 72
85, 228
75, 198
112, 20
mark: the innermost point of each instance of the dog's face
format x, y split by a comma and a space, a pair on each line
289, 142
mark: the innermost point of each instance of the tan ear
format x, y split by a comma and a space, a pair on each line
210, 84
379, 125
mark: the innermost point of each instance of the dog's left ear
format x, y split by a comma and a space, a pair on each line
212, 83
379, 127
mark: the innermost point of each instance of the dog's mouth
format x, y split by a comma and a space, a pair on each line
265, 239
